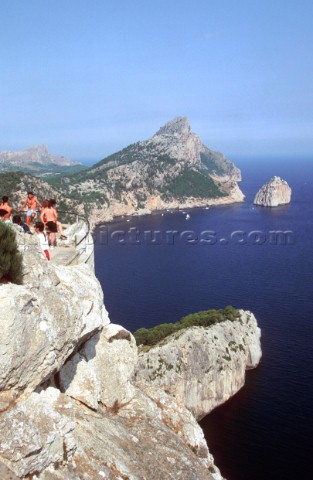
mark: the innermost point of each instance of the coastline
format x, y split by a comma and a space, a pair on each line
156, 205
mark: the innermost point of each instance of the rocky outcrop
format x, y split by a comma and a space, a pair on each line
203, 367
45, 320
274, 193
109, 358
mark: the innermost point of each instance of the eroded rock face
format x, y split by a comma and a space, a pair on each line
34, 435
274, 193
150, 437
58, 438
203, 367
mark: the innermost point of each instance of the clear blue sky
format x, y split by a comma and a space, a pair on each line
89, 77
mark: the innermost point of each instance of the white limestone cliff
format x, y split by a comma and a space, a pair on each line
274, 193
203, 367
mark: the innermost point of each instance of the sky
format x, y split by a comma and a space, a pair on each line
89, 77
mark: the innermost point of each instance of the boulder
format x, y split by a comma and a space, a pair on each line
102, 370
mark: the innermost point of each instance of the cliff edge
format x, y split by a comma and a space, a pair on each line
203, 366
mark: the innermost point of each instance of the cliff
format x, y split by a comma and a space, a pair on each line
69, 404
275, 192
203, 367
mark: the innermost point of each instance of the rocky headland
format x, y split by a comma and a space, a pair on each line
203, 367
76, 402
172, 169
274, 193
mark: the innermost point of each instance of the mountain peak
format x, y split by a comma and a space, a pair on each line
177, 126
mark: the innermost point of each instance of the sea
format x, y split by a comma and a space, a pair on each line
157, 268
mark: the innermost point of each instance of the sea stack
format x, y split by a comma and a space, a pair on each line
274, 193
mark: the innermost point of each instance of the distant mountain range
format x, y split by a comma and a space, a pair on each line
37, 160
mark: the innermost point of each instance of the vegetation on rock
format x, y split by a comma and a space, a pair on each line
11, 260
205, 318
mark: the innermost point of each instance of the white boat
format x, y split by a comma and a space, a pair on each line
187, 216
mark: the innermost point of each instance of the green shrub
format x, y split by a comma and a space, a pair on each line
205, 318
11, 261
192, 183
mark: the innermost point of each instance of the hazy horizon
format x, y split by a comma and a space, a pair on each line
89, 78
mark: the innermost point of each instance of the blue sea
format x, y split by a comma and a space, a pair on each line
158, 268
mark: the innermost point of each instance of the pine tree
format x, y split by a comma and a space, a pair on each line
11, 260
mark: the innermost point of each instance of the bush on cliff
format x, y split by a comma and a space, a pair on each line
205, 318
11, 261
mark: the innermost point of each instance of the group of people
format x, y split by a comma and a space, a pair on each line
46, 228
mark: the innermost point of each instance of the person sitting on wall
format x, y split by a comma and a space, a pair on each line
18, 221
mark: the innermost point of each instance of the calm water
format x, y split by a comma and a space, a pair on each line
265, 431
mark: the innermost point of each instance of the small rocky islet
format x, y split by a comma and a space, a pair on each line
274, 193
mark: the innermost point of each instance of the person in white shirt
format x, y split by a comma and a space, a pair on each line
39, 229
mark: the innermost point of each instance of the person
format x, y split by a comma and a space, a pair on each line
31, 202
18, 221
5, 206
42, 213
49, 217
3, 213
39, 229
59, 224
